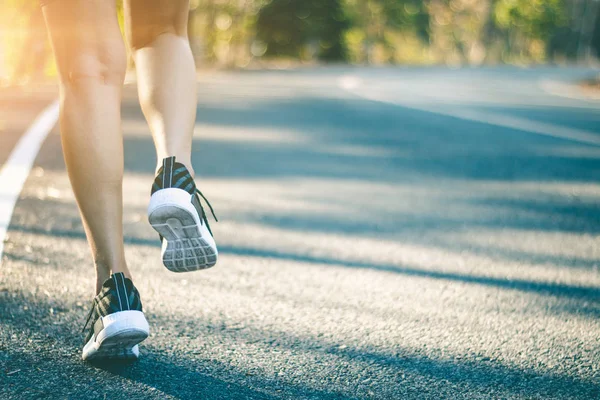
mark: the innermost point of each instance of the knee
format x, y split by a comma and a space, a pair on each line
107, 65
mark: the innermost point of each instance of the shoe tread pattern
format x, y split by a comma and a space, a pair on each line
186, 249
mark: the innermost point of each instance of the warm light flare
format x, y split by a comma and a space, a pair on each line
24, 50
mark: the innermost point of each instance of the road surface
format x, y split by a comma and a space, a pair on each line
388, 233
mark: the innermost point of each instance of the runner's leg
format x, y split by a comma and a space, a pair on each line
157, 35
91, 60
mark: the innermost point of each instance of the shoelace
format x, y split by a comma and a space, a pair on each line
203, 213
89, 317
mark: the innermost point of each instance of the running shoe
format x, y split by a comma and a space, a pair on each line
116, 322
176, 213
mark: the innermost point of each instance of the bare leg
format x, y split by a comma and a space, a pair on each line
157, 34
91, 59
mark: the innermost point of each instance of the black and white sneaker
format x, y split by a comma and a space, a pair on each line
176, 213
117, 322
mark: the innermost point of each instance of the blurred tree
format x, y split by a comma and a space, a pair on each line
379, 29
458, 30
589, 23
232, 33
301, 28
595, 42
528, 26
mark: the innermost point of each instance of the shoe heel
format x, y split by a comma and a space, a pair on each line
122, 332
189, 245
131, 323
172, 214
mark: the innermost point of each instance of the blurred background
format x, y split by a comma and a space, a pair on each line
284, 33
386, 232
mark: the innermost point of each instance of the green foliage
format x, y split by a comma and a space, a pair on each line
234, 33
532, 29
379, 27
293, 28
536, 19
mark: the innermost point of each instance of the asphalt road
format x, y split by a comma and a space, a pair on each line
385, 233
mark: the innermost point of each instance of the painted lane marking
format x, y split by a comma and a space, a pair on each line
15, 171
357, 87
568, 90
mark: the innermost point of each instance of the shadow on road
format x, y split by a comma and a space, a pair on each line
585, 300
420, 144
55, 357
360, 144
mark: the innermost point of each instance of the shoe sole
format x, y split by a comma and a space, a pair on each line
189, 245
119, 339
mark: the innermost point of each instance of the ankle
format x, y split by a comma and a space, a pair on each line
104, 271
186, 161
101, 277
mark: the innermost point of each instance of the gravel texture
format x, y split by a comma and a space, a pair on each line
369, 250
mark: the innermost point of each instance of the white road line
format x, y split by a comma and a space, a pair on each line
568, 90
15, 171
357, 87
